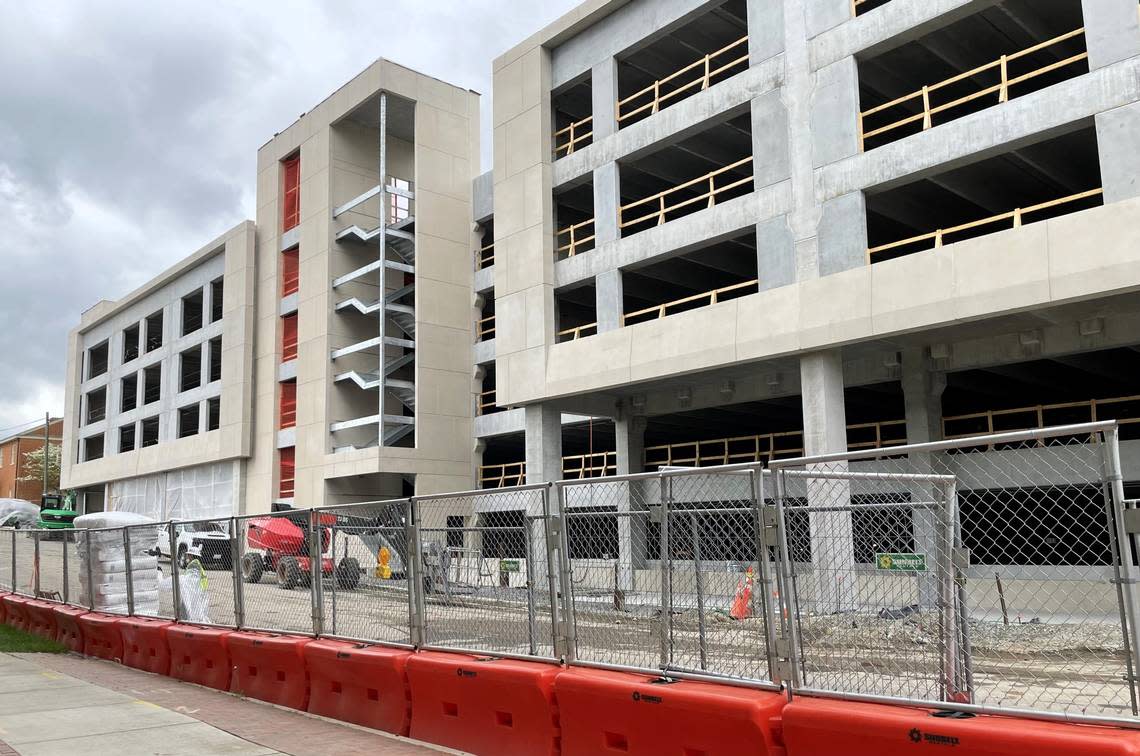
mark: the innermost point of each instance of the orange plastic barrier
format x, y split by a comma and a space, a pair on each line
199, 655
67, 629
483, 706
606, 712
16, 611
3, 611
270, 667
144, 644
41, 618
358, 683
821, 726
101, 636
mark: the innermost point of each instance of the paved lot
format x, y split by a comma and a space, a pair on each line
63, 705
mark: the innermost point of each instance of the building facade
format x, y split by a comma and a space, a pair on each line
13, 465
713, 232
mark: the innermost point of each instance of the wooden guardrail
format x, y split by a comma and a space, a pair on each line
485, 403
709, 195
1123, 409
485, 256
567, 140
1016, 215
485, 328
594, 465
573, 239
1001, 88
709, 68
577, 332
500, 476
714, 296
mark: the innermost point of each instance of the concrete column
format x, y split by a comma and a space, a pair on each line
1118, 144
631, 496
604, 91
922, 396
843, 234
1112, 31
822, 14
825, 432
610, 300
543, 443
607, 201
775, 254
765, 31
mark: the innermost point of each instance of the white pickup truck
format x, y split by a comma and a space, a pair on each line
208, 542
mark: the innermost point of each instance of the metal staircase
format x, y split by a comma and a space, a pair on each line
393, 240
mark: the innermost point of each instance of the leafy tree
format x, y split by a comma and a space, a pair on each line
34, 466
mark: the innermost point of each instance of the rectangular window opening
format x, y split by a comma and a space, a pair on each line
130, 342
152, 384
216, 300
149, 432
192, 312
93, 448
291, 192
188, 420
289, 337
190, 369
287, 467
154, 331
290, 272
215, 347
129, 393
96, 406
213, 413
127, 438
288, 412
97, 360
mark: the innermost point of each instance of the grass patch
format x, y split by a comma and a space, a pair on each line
19, 642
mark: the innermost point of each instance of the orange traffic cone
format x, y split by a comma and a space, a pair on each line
742, 601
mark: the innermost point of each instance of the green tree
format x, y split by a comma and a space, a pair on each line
34, 466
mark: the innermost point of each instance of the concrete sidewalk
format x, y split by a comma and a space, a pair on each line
51, 705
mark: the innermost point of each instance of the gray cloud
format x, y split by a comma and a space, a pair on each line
129, 131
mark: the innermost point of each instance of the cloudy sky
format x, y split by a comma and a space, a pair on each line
128, 134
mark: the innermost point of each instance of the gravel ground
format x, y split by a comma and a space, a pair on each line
1073, 667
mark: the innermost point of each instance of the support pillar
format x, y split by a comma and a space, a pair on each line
543, 443
607, 203
604, 92
922, 397
832, 532
609, 300
631, 497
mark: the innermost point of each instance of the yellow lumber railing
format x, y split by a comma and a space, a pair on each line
1001, 88
485, 256
500, 476
714, 296
566, 140
485, 404
593, 465
573, 239
485, 328
708, 68
1016, 215
1123, 409
709, 195
572, 334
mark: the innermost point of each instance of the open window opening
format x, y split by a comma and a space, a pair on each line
574, 219
97, 360
213, 413
217, 300
96, 406
148, 431
93, 447
130, 342
589, 449
190, 369
188, 419
1005, 51
192, 312
127, 438
485, 254
693, 174
572, 106
683, 62
486, 404
715, 273
152, 384
215, 349
129, 393
1027, 185
154, 331
485, 324
577, 310
287, 413
290, 272
503, 461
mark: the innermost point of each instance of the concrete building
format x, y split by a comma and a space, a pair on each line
713, 232
14, 444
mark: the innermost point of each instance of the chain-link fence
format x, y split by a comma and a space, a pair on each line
991, 573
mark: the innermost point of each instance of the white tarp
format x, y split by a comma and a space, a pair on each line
195, 493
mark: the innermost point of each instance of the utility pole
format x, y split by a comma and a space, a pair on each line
47, 442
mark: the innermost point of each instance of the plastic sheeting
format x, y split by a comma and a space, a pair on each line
195, 493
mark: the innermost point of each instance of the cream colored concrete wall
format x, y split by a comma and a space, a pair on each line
1081, 256
232, 440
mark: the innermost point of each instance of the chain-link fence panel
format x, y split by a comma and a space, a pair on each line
7, 558
73, 587
278, 556
147, 585
199, 554
24, 548
49, 564
719, 574
612, 539
868, 555
365, 595
484, 578
1043, 608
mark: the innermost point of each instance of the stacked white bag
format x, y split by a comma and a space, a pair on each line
108, 562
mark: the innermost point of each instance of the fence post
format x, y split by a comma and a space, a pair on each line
175, 586
236, 573
87, 565
415, 576
696, 534
530, 614
332, 583
127, 566
1124, 547
666, 575
65, 593
567, 622
765, 529
316, 559
36, 563
788, 645
13, 575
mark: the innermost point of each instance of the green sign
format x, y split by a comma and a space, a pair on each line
508, 565
901, 562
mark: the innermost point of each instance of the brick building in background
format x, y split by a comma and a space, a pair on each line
13, 446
